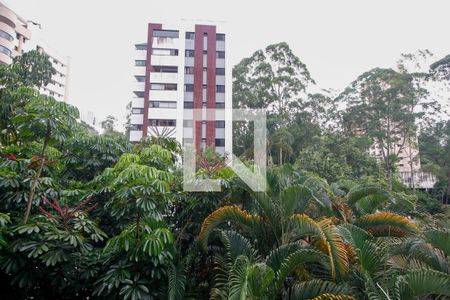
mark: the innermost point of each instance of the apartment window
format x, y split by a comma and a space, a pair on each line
163, 104
137, 111
164, 69
188, 104
139, 94
220, 104
161, 122
141, 46
220, 54
163, 86
165, 52
205, 51
140, 63
220, 124
166, 33
190, 35
220, 143
188, 123
220, 37
135, 127
5, 50
6, 36
189, 53
220, 71
220, 88
188, 70
188, 87
140, 78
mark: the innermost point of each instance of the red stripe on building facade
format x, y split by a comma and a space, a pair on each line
200, 31
151, 28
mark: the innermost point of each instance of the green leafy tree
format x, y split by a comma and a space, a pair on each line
386, 106
335, 157
141, 252
274, 79
108, 124
435, 155
48, 121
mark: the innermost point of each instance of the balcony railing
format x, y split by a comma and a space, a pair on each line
422, 180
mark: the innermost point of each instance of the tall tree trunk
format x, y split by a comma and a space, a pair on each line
38, 174
389, 174
411, 166
281, 157
447, 192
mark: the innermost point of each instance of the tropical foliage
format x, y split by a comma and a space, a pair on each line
89, 216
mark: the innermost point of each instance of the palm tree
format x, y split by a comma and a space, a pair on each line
304, 234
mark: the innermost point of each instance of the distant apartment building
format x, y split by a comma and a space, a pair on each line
18, 35
408, 164
178, 69
14, 34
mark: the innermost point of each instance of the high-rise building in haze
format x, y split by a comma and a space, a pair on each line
178, 69
18, 35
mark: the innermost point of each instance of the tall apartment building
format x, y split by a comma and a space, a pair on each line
408, 164
18, 35
14, 34
178, 69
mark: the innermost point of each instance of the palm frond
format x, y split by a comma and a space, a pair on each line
371, 256
238, 283
294, 198
319, 289
278, 255
237, 245
294, 261
417, 283
327, 239
231, 214
439, 239
366, 198
177, 281
387, 224
336, 249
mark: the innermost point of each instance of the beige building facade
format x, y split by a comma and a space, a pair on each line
18, 35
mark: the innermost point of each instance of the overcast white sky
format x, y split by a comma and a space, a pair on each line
337, 39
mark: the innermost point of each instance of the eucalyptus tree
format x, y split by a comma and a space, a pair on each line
386, 106
274, 79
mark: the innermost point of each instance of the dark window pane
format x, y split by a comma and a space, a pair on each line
220, 143
220, 37
165, 52
141, 46
165, 33
140, 63
164, 69
188, 104
188, 87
